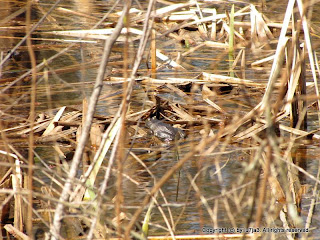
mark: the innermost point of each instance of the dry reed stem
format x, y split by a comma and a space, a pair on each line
93, 169
153, 54
28, 34
310, 51
55, 228
9, 18
213, 34
228, 131
262, 61
227, 29
172, 226
18, 205
165, 10
28, 220
202, 198
210, 19
50, 59
51, 125
168, 174
262, 194
314, 200
169, 61
126, 98
75, 13
15, 232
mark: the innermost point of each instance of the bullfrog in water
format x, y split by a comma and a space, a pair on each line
164, 131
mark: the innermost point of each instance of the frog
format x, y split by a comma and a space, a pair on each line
164, 131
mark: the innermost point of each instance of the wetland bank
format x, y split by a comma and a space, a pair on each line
159, 118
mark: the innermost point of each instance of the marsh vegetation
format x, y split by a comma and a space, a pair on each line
159, 118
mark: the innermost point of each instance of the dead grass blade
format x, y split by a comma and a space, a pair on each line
56, 226
103, 34
279, 55
181, 113
309, 49
213, 34
52, 123
216, 44
262, 61
166, 10
18, 203
15, 232
260, 32
231, 80
206, 93
76, 13
94, 168
168, 60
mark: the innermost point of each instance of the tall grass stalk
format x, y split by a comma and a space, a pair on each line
231, 41
32, 118
56, 226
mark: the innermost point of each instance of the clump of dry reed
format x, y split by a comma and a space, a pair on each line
266, 122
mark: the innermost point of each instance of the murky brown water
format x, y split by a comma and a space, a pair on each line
71, 78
